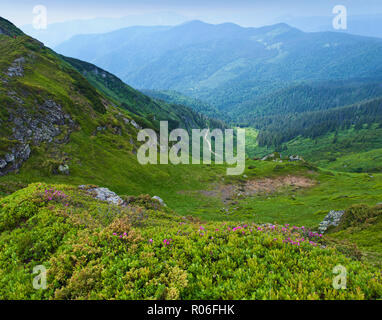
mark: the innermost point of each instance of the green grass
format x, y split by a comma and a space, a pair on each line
362, 226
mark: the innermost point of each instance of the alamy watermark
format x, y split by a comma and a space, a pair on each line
40, 19
340, 20
339, 281
180, 151
39, 281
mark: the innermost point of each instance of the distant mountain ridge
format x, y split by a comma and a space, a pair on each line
227, 65
58, 32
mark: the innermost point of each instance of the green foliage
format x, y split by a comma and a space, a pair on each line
7, 28
361, 225
144, 110
145, 250
87, 90
168, 257
283, 128
358, 215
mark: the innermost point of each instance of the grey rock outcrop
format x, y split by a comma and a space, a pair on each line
16, 69
9, 157
104, 194
333, 218
15, 158
44, 124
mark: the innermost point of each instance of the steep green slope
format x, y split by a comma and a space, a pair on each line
55, 126
141, 105
7, 28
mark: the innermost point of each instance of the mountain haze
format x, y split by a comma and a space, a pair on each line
227, 65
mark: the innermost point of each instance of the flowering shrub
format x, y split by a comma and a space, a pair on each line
170, 257
52, 194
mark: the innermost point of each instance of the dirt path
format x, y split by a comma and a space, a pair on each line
230, 192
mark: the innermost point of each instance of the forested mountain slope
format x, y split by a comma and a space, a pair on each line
227, 65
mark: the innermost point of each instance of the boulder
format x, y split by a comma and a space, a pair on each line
333, 218
104, 194
9, 157
160, 200
295, 158
3, 163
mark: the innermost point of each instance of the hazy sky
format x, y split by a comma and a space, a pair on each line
244, 12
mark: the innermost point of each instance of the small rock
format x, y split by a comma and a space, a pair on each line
9, 157
64, 169
135, 125
160, 200
3, 164
295, 158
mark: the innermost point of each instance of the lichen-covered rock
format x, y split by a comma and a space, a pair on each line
103, 194
9, 157
333, 218
47, 123
13, 160
3, 163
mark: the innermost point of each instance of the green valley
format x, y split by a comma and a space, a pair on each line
75, 200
